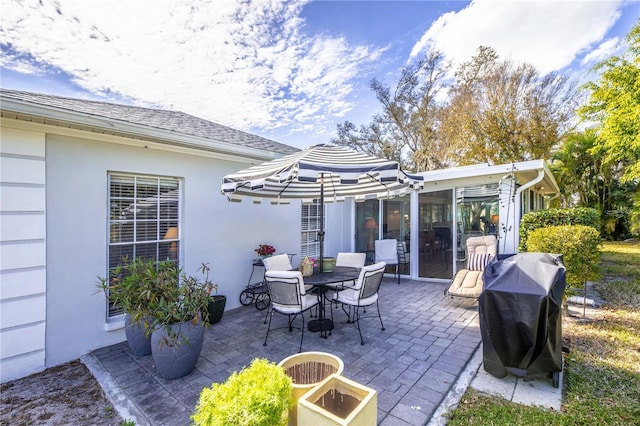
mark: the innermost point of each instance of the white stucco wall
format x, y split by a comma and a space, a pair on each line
213, 230
22, 252
339, 223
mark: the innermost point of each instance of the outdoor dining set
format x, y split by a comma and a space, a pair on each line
350, 284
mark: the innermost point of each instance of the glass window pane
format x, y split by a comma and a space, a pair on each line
117, 253
121, 232
147, 251
146, 231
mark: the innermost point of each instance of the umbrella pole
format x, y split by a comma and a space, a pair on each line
321, 231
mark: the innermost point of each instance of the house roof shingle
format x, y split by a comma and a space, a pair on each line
166, 120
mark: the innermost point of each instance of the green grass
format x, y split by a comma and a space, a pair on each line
602, 370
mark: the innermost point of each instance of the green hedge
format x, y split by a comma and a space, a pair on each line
556, 217
579, 246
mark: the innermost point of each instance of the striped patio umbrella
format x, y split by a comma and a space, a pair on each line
325, 172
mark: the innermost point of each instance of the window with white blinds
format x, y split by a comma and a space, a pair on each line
144, 218
310, 227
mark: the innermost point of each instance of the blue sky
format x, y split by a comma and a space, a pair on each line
289, 70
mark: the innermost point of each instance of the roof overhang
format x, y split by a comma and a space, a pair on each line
524, 172
58, 117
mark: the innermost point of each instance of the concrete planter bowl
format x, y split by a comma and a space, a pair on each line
338, 401
176, 348
306, 370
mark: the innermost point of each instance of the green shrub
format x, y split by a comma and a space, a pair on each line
579, 246
556, 217
259, 395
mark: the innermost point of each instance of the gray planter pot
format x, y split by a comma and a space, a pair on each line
176, 347
139, 343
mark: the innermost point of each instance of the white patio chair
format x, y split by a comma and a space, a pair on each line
468, 282
288, 297
363, 294
352, 260
279, 262
387, 252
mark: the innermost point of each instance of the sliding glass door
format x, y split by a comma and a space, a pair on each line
435, 241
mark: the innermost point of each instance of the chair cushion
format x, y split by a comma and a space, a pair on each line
308, 300
350, 297
386, 251
355, 260
466, 283
478, 261
279, 262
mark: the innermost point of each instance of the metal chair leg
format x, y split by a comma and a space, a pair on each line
357, 321
302, 334
379, 316
268, 328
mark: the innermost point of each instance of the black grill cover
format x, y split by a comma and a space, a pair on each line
520, 312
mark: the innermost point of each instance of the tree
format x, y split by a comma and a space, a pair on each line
500, 112
586, 180
407, 128
496, 112
614, 105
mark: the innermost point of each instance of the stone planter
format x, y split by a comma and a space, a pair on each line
306, 370
338, 401
176, 348
138, 341
215, 308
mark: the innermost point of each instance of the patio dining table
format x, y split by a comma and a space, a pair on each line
319, 281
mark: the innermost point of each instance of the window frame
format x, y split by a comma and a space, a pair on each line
309, 242
144, 214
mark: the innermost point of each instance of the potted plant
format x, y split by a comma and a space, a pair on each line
259, 395
265, 250
130, 287
215, 308
178, 327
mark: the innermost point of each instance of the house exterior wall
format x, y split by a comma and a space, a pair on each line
74, 252
339, 223
22, 253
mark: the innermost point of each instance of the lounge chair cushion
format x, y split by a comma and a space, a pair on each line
467, 283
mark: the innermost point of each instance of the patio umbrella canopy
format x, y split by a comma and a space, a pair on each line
325, 172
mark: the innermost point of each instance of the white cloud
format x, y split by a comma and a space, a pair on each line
547, 34
247, 65
603, 51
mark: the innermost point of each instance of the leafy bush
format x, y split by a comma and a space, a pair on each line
259, 395
579, 246
556, 217
151, 292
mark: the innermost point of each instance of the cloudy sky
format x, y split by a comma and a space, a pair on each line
287, 70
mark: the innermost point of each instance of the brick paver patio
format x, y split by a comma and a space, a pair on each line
428, 341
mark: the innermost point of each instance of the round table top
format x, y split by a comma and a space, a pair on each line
339, 274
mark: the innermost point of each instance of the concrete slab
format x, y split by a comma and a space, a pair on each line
486, 383
538, 393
